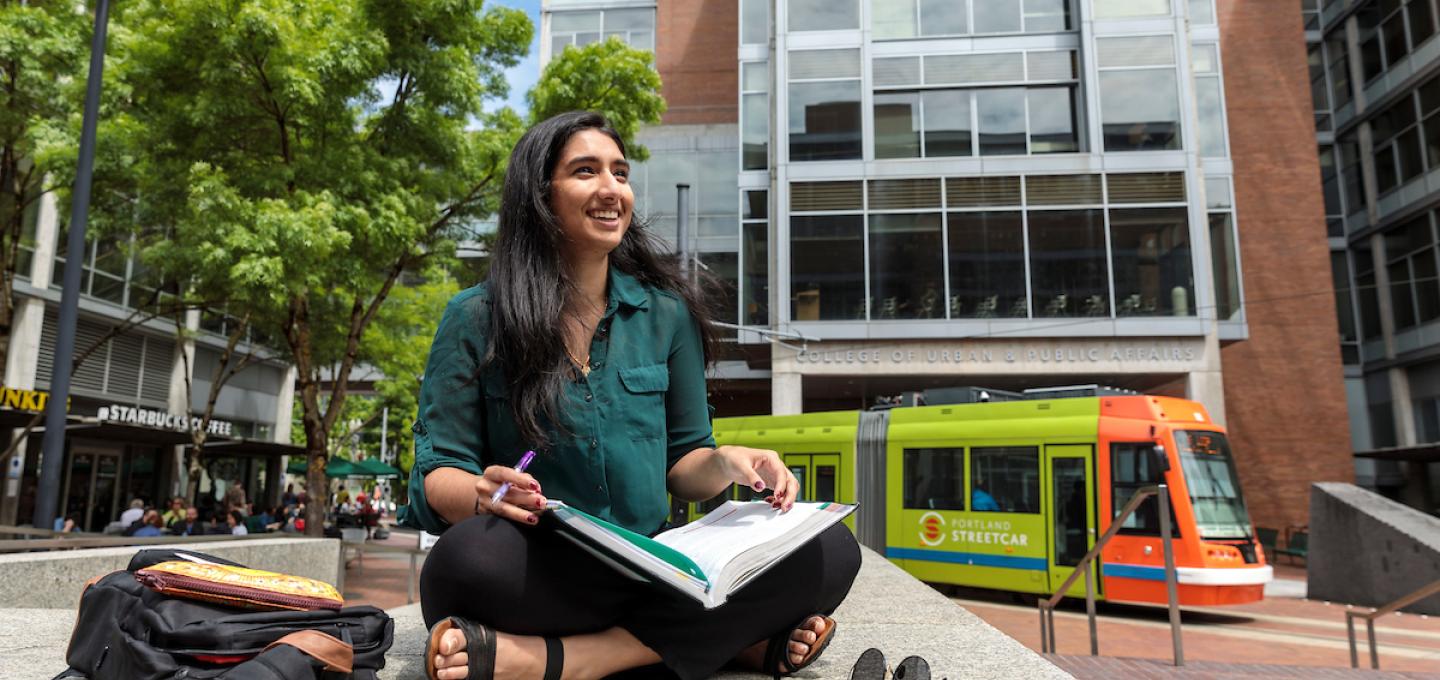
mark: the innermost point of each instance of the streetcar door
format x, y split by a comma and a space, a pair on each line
1070, 512
817, 473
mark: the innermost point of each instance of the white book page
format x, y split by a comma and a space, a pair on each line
715, 539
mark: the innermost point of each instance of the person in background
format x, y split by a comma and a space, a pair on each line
65, 525
189, 525
289, 498
150, 525
176, 511
132, 515
235, 497
235, 521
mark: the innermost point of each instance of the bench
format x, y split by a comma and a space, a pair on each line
1297, 544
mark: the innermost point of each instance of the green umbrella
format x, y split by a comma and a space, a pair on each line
371, 467
335, 467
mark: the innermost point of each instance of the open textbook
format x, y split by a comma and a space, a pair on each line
708, 558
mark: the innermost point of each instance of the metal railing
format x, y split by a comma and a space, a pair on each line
1047, 607
1350, 615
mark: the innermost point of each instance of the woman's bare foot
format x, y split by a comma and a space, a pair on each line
516, 656
800, 640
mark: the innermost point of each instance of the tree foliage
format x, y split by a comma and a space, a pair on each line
608, 77
296, 158
43, 50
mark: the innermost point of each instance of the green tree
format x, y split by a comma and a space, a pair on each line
299, 157
608, 77
43, 50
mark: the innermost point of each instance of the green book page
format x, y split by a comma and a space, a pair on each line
669, 555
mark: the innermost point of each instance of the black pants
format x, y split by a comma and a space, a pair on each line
532, 581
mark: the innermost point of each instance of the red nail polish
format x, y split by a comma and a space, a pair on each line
532, 519
535, 486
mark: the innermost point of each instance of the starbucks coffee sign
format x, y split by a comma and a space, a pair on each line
1121, 355
131, 415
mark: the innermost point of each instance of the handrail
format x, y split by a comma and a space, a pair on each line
1350, 615
1047, 607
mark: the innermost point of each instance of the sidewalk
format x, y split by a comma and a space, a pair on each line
1283, 629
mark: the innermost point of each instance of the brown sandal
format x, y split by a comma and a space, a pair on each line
777, 653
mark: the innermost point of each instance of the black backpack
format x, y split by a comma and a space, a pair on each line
126, 631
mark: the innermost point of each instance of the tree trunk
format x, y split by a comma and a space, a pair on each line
318, 485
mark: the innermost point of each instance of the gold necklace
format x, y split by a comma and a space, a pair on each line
584, 366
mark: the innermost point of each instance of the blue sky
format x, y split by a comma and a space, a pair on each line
523, 76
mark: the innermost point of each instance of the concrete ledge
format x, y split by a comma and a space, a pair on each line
887, 609
1368, 550
54, 579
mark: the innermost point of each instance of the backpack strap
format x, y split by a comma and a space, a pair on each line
335, 655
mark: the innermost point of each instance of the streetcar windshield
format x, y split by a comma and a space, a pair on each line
1214, 490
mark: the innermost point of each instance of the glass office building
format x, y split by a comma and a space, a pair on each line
1007, 193
1374, 68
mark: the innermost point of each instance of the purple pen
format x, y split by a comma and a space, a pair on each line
519, 467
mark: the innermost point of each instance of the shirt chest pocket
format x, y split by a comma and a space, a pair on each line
643, 406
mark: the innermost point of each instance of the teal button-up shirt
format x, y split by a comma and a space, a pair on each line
640, 410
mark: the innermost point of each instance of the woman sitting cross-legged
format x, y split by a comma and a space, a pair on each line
586, 345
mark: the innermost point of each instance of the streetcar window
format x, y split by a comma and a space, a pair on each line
1132, 466
1005, 479
934, 479
1214, 486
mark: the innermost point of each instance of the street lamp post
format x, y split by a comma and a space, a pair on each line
53, 454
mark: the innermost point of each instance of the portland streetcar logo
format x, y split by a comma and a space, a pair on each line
932, 529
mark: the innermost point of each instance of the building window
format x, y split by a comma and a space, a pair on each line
1209, 100
934, 479
1202, 12
1005, 479
755, 258
987, 265
906, 257
823, 15
1310, 11
1390, 30
1224, 254
1414, 289
989, 254
1380, 409
1350, 182
925, 18
1153, 266
1069, 274
754, 115
1399, 151
827, 251
634, 27
824, 105
1330, 189
1139, 96
1337, 52
721, 289
1366, 290
990, 121
1129, 9
1344, 308
754, 22
1319, 89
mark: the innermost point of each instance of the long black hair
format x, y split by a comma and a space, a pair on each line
531, 290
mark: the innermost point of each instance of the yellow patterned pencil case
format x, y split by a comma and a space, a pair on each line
239, 587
